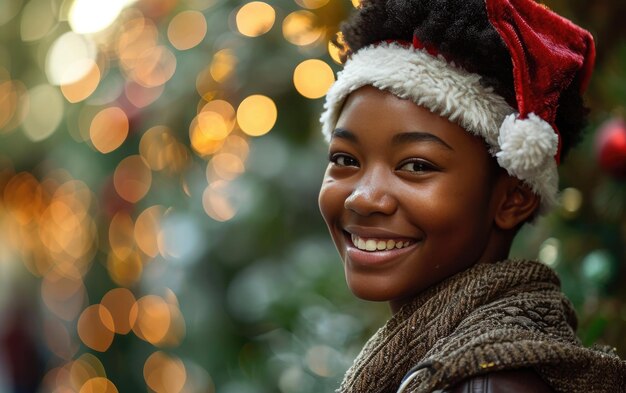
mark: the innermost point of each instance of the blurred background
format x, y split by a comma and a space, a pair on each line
159, 168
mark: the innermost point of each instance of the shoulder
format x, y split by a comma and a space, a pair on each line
513, 381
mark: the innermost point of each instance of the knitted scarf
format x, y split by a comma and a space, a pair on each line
491, 317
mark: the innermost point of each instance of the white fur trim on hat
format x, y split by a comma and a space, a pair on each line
528, 147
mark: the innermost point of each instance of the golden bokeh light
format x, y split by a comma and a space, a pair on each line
312, 78
127, 271
121, 235
13, 104
257, 115
202, 143
154, 67
312, 4
162, 151
214, 123
150, 318
86, 367
80, 89
141, 96
135, 37
237, 145
45, 113
216, 201
301, 28
217, 119
119, 302
109, 129
164, 373
98, 385
206, 86
356, 3
187, 29
132, 178
96, 328
255, 18
147, 228
223, 65
335, 52
226, 166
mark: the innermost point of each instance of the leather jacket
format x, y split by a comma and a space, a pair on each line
508, 381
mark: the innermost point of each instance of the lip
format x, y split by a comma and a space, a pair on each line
363, 258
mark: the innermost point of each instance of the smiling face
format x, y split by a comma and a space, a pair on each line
408, 196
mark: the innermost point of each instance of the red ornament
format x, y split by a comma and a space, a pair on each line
611, 147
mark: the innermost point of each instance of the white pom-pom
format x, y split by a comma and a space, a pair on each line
526, 145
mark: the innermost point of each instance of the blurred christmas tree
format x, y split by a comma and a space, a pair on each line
159, 169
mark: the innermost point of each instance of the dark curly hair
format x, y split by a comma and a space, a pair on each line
460, 30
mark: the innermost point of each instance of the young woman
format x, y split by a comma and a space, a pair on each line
446, 126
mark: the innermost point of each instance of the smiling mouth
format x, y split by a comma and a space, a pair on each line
375, 244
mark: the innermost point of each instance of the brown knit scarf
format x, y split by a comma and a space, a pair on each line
491, 317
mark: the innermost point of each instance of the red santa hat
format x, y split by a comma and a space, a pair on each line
549, 54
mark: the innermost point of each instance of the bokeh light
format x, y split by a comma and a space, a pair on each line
217, 203
223, 65
255, 18
77, 90
312, 78
147, 228
257, 115
109, 129
70, 58
187, 29
226, 166
164, 373
45, 114
142, 96
132, 178
86, 367
125, 271
98, 385
87, 16
302, 28
37, 20
96, 328
64, 292
9, 9
312, 4
119, 302
571, 202
151, 319
14, 103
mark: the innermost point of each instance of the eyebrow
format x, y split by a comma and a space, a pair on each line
418, 136
342, 133
398, 139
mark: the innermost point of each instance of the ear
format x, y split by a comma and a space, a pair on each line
517, 205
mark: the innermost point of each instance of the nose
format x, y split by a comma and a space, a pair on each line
372, 194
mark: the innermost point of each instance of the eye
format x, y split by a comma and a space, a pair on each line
417, 166
343, 160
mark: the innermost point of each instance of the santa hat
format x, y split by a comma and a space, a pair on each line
549, 54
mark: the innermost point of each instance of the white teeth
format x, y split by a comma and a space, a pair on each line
377, 244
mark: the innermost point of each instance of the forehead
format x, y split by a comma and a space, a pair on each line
377, 115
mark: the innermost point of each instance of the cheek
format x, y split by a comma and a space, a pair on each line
331, 200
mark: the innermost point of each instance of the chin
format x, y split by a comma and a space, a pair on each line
374, 292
